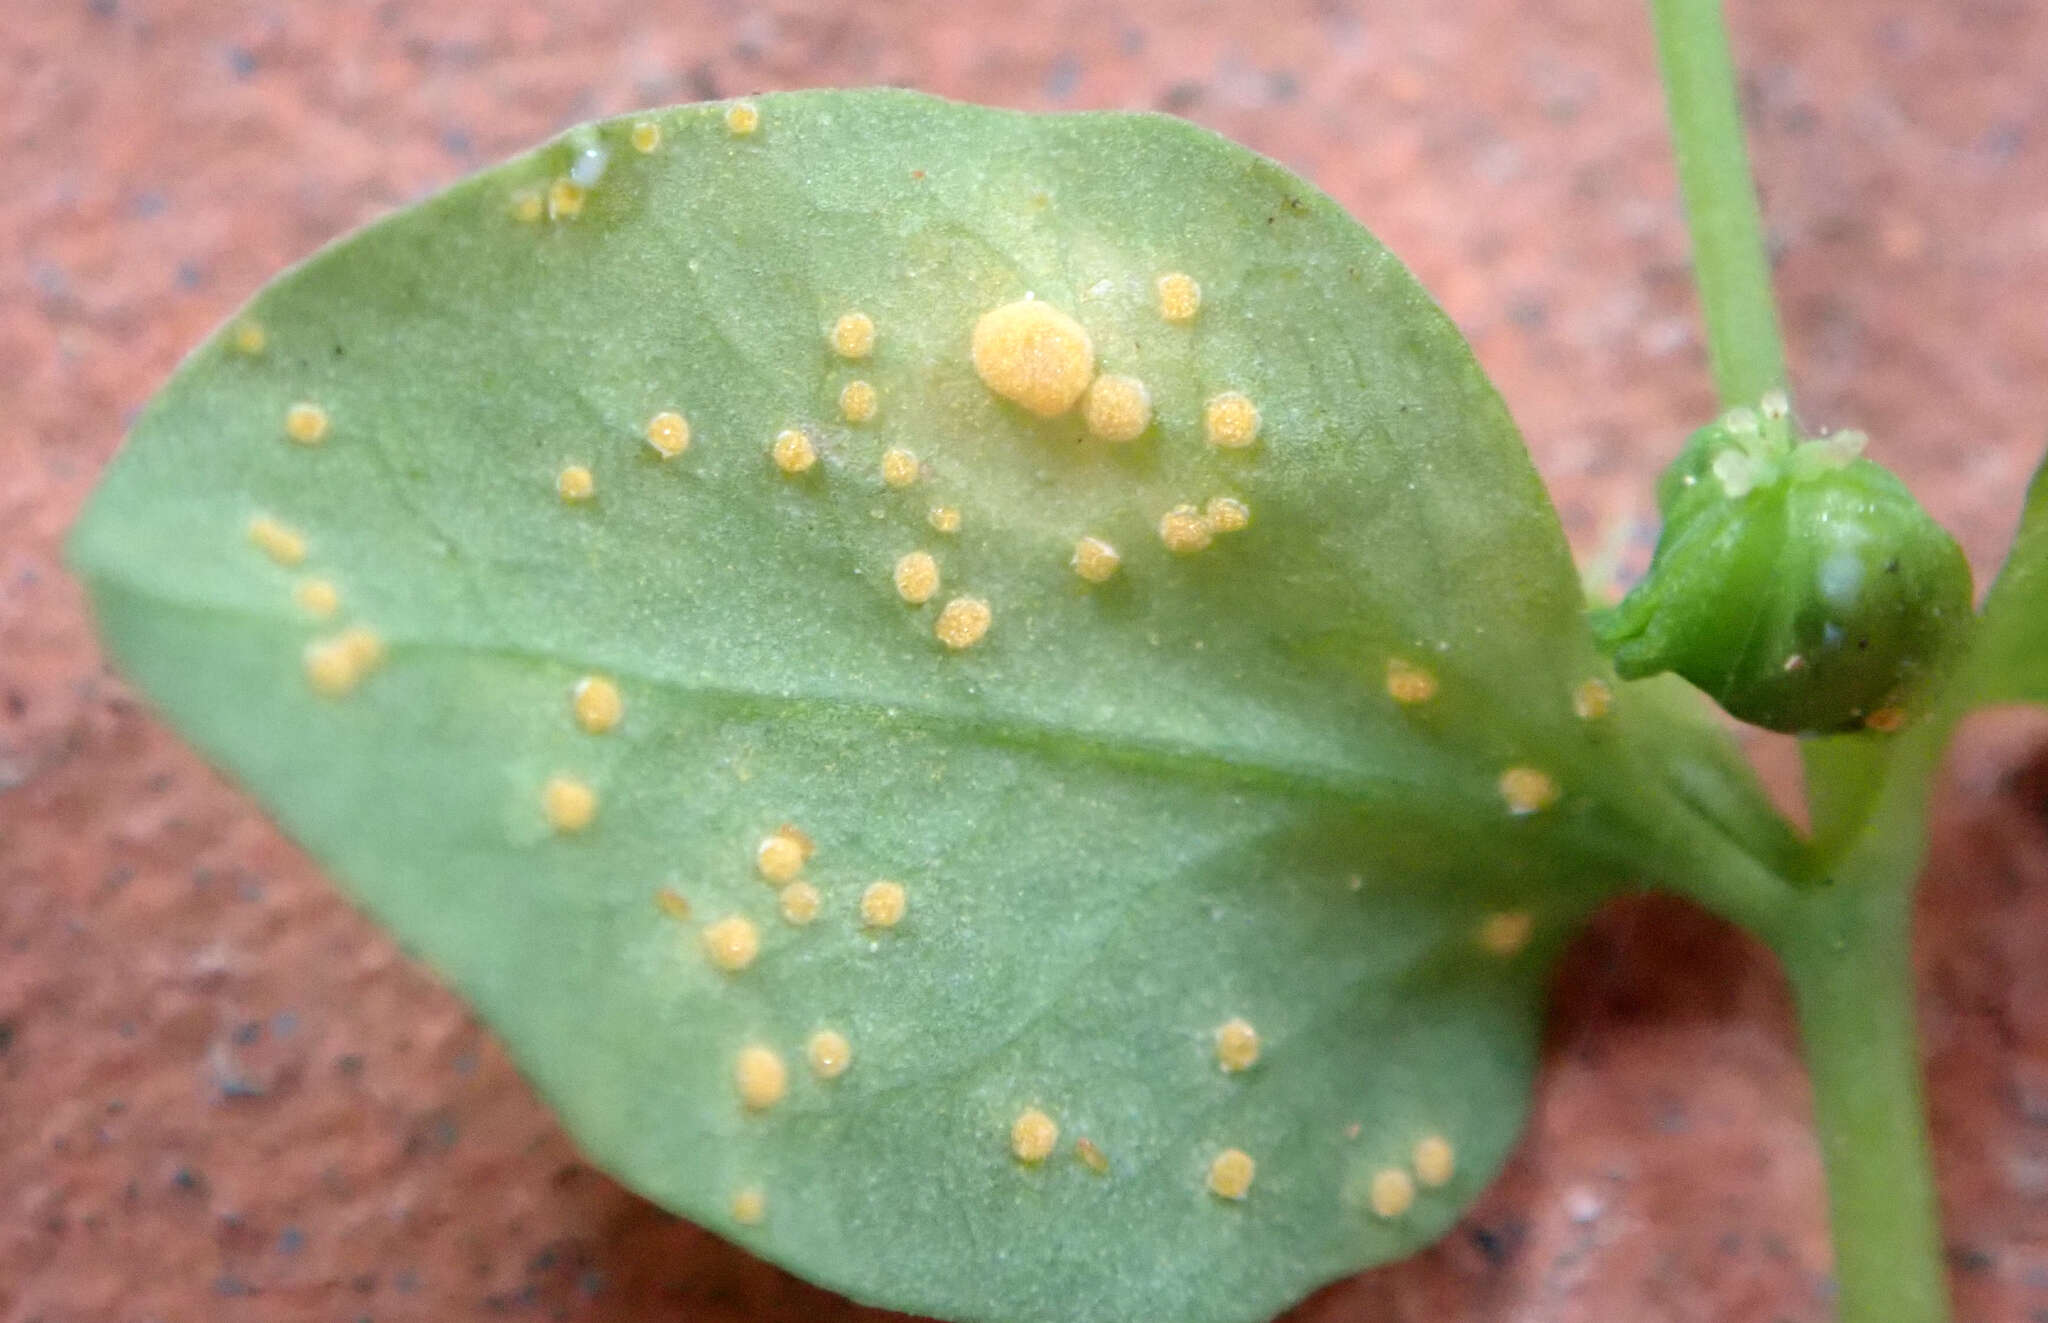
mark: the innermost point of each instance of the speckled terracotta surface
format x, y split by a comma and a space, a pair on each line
224, 1095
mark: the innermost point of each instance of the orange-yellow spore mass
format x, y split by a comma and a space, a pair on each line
1034, 356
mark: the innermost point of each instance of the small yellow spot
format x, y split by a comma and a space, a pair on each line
830, 1054
306, 423
853, 335
741, 119
1091, 1155
575, 484
962, 622
318, 598
672, 903
669, 433
1393, 1192
565, 199
1226, 514
858, 401
781, 855
646, 135
1033, 1135
283, 544
749, 1207
1230, 1174
1034, 356
799, 903
1184, 531
1505, 933
1887, 720
1527, 790
597, 704
732, 943
528, 206
1237, 1044
1180, 297
1095, 560
944, 519
882, 904
570, 805
1409, 684
917, 578
250, 338
1591, 699
363, 646
1231, 421
1434, 1161
793, 451
761, 1077
336, 665
1117, 408
899, 467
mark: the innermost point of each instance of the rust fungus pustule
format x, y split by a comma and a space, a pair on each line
318, 598
1034, 356
749, 1206
1231, 420
1033, 1135
1180, 296
883, 904
569, 804
858, 402
1409, 684
1393, 1192
306, 423
597, 704
575, 484
1237, 1044
1227, 514
1505, 932
669, 433
782, 854
799, 903
761, 1077
1185, 531
829, 1054
853, 335
1230, 1174
1434, 1160
963, 622
1117, 408
917, 577
1591, 699
1526, 790
732, 943
742, 119
277, 540
899, 467
1095, 560
793, 452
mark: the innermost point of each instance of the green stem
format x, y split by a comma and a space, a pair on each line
1848, 951
1729, 260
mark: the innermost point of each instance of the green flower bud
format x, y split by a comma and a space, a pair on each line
1797, 583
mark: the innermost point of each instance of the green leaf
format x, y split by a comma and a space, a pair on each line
1134, 810
2009, 656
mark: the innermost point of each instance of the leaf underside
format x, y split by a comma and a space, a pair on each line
1131, 812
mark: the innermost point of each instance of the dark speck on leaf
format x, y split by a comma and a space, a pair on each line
241, 61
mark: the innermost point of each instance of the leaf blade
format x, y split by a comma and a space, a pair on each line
1129, 813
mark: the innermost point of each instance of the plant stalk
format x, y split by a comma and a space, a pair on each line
1848, 951
1729, 259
